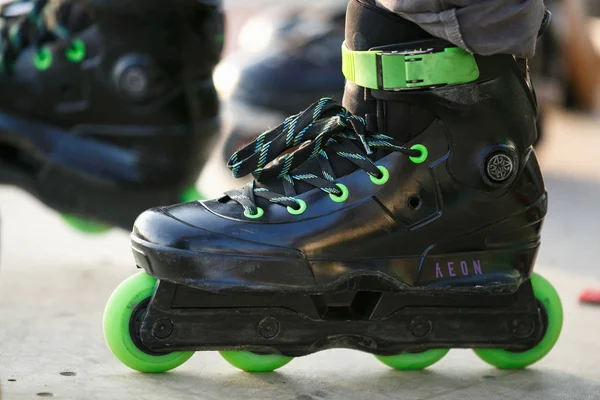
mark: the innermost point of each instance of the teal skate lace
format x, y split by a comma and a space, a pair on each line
30, 29
283, 155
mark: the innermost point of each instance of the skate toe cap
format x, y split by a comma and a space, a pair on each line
158, 227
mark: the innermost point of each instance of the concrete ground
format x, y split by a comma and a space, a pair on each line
54, 283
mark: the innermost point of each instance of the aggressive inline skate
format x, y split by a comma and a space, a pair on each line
107, 108
404, 223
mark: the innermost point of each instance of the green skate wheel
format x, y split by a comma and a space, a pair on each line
191, 194
83, 225
117, 320
413, 361
252, 362
549, 300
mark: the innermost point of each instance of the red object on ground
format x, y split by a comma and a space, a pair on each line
591, 296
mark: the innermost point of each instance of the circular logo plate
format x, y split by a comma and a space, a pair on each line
499, 167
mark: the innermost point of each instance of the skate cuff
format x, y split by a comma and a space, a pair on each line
384, 70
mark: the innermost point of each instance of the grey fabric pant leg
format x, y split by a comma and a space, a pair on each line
483, 27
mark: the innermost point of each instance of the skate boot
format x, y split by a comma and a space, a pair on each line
403, 224
289, 56
107, 108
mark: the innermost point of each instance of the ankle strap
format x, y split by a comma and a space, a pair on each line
389, 70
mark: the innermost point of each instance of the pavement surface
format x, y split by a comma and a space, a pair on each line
54, 283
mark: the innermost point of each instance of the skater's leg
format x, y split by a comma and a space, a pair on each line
482, 27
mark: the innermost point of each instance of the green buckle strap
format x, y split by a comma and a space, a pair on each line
378, 69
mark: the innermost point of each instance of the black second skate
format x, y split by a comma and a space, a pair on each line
285, 70
403, 224
106, 107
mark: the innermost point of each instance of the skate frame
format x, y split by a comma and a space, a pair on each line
181, 318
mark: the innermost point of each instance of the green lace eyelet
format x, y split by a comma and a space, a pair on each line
385, 176
76, 53
297, 211
259, 213
422, 157
42, 59
341, 197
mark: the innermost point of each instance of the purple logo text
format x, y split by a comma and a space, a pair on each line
459, 268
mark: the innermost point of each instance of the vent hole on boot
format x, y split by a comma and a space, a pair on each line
414, 202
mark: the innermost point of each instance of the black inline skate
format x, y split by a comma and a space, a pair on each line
107, 107
403, 224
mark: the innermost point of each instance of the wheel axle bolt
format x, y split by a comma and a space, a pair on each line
162, 329
420, 327
523, 327
268, 328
